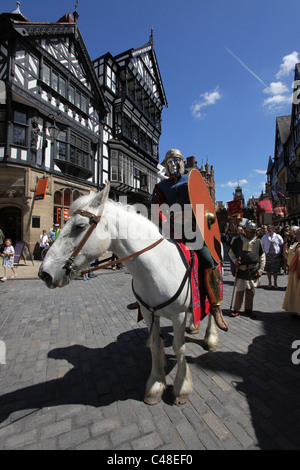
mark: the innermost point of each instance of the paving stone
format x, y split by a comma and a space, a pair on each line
77, 365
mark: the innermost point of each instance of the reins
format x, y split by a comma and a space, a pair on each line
94, 220
120, 260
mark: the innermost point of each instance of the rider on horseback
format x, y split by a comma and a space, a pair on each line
173, 191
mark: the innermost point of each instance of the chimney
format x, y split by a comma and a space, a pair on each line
191, 162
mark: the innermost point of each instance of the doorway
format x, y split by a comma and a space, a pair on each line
11, 223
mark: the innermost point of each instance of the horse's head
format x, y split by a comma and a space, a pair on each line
57, 268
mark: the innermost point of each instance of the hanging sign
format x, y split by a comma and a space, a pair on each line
41, 189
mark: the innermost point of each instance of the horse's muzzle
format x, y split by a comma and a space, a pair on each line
47, 278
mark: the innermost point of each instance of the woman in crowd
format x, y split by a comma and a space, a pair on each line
272, 243
291, 301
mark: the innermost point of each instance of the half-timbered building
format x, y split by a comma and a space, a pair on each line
133, 88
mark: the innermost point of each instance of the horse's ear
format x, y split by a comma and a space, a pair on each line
101, 197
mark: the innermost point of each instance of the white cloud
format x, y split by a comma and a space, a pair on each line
206, 99
276, 88
233, 184
279, 93
288, 64
260, 172
277, 102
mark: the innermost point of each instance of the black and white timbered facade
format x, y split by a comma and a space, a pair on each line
47, 79
107, 114
134, 91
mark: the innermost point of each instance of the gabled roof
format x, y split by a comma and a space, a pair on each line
284, 127
283, 132
148, 48
65, 26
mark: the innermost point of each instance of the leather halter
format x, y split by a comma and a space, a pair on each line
94, 220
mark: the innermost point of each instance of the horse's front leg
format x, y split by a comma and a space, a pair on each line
183, 384
211, 337
156, 383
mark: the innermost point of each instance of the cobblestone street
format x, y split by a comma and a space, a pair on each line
76, 367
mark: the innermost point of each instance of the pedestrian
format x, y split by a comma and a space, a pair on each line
51, 236
272, 243
44, 242
294, 229
287, 240
291, 302
57, 230
248, 254
8, 258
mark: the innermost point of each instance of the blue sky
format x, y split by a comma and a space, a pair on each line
226, 65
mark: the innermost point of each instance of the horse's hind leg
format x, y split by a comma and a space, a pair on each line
156, 383
183, 384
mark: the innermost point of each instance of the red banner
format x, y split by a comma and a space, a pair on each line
264, 207
234, 207
280, 211
41, 189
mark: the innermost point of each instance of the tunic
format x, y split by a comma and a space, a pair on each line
253, 259
291, 301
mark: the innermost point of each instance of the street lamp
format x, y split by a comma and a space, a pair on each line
53, 129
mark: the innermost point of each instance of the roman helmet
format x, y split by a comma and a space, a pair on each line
250, 228
174, 162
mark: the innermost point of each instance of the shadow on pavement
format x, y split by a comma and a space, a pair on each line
268, 379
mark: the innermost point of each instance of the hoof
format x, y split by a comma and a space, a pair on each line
212, 348
181, 399
152, 400
193, 332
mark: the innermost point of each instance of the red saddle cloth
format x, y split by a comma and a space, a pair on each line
200, 302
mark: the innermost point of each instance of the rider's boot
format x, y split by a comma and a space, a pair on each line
133, 306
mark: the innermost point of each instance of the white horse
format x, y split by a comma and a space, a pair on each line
157, 275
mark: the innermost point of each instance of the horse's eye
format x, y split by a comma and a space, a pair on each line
81, 226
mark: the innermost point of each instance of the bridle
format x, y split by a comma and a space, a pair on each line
94, 220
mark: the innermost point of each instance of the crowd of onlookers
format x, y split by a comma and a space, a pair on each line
280, 247
286, 237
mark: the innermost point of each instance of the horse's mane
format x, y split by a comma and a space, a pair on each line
84, 202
